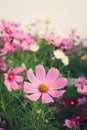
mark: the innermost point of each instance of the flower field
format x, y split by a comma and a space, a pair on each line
43, 79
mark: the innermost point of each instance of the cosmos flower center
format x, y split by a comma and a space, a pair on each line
8, 30
21, 39
11, 76
52, 40
72, 102
78, 117
43, 88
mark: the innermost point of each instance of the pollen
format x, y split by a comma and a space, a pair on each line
43, 88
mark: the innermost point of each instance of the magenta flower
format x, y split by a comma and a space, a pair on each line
12, 80
80, 81
3, 65
69, 123
47, 86
77, 118
71, 102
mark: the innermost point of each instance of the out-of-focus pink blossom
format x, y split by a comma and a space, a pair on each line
3, 65
82, 100
82, 90
80, 81
13, 79
1, 128
69, 123
54, 40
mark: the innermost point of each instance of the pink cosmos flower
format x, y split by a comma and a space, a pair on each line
3, 65
82, 90
82, 100
7, 27
67, 44
47, 86
24, 40
1, 128
10, 47
12, 80
54, 40
80, 81
69, 123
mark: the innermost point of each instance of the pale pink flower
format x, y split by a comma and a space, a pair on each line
69, 123
10, 47
67, 44
24, 40
3, 65
82, 90
54, 40
47, 86
80, 81
13, 80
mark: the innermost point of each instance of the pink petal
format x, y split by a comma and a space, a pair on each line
8, 85
18, 70
34, 97
79, 90
46, 98
56, 93
15, 86
40, 73
19, 79
60, 83
29, 88
32, 77
52, 75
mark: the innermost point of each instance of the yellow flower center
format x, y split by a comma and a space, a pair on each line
77, 117
72, 102
11, 76
8, 30
43, 88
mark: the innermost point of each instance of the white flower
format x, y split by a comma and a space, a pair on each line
65, 60
34, 47
59, 54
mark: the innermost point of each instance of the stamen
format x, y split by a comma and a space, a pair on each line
43, 88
